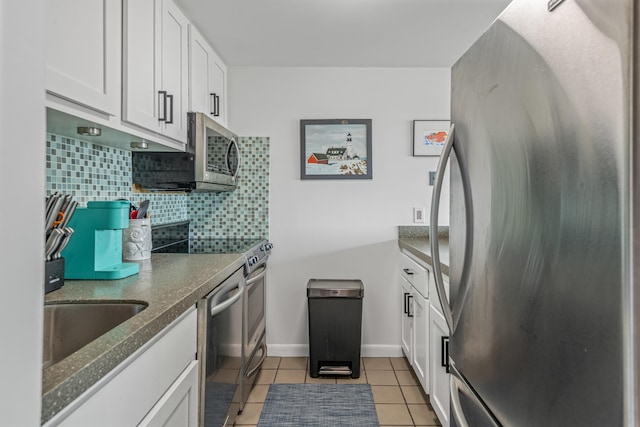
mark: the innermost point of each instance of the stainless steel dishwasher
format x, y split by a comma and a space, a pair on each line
220, 352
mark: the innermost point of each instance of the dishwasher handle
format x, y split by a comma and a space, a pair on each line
224, 288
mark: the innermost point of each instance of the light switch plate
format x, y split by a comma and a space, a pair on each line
418, 215
432, 178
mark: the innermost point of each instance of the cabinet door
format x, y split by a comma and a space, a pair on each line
439, 395
174, 78
179, 406
220, 90
141, 63
406, 324
420, 362
83, 55
200, 73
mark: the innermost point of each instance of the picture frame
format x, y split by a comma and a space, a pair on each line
335, 149
429, 137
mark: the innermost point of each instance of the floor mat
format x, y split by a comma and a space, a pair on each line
318, 405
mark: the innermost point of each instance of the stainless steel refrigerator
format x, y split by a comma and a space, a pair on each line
544, 218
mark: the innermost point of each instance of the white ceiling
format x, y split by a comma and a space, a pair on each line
341, 33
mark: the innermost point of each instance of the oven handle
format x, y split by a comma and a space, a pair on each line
218, 308
255, 277
263, 346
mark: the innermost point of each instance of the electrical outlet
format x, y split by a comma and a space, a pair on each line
432, 178
418, 215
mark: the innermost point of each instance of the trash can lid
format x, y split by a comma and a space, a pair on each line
332, 288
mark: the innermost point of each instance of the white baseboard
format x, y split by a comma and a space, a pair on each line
302, 350
382, 351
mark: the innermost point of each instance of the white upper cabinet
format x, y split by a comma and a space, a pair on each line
140, 62
220, 90
207, 79
155, 67
174, 70
83, 52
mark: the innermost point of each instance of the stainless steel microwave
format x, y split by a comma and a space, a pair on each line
211, 161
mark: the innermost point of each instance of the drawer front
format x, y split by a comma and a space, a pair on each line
415, 274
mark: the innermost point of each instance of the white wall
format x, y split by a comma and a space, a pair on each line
22, 154
339, 228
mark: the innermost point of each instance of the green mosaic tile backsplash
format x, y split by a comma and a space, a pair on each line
95, 172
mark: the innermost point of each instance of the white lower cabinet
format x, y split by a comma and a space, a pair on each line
420, 362
425, 333
439, 337
407, 321
179, 406
156, 386
415, 318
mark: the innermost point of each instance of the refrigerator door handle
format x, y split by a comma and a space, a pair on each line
447, 311
479, 415
456, 407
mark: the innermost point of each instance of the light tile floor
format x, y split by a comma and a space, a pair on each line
398, 396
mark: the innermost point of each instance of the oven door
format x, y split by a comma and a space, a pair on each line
254, 309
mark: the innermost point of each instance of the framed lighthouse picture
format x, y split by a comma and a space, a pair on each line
335, 149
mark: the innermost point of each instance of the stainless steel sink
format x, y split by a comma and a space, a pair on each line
70, 326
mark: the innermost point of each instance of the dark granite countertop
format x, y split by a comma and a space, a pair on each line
168, 283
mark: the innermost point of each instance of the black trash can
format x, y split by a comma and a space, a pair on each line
335, 326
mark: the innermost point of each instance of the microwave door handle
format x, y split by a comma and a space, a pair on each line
233, 144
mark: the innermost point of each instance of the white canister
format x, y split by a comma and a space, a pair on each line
136, 240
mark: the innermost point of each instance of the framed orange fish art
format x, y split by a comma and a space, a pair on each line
429, 137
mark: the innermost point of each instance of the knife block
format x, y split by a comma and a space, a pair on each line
95, 252
53, 275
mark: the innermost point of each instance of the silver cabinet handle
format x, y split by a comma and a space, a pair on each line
433, 231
